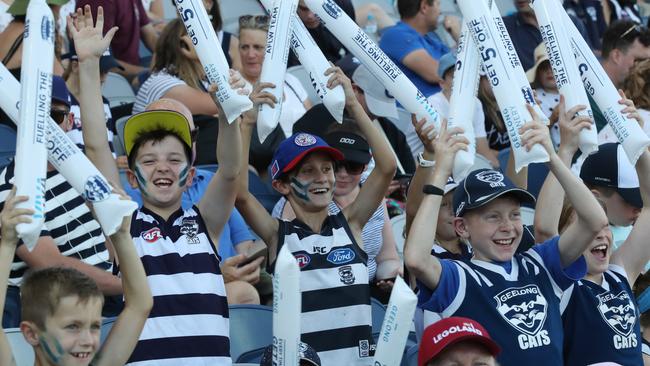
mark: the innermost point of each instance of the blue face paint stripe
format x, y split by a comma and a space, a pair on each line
300, 189
182, 177
48, 351
142, 182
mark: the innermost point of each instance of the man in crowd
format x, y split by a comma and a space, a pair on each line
624, 43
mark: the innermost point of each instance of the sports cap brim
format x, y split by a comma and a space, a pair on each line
521, 194
631, 196
335, 154
492, 347
148, 121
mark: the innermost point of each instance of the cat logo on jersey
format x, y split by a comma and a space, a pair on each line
523, 307
190, 229
346, 275
618, 311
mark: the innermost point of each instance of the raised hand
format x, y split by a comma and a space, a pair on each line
426, 134
536, 132
570, 126
337, 77
448, 144
12, 216
259, 96
87, 35
630, 110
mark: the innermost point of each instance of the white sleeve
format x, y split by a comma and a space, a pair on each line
297, 87
479, 120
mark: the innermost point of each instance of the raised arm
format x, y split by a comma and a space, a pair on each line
251, 209
372, 192
417, 249
551, 197
10, 217
422, 174
138, 301
222, 189
591, 218
90, 45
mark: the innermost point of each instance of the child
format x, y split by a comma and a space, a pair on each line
602, 303
336, 317
62, 307
189, 321
517, 296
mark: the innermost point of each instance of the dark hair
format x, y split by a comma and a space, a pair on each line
215, 16
168, 55
621, 34
156, 136
409, 8
43, 289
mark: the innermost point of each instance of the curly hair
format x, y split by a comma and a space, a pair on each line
637, 84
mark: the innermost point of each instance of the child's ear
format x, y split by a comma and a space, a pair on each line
461, 228
281, 186
131, 178
30, 332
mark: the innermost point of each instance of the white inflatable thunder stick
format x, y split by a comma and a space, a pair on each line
396, 326
604, 93
369, 53
565, 69
286, 309
464, 88
208, 48
36, 95
71, 162
514, 62
502, 79
312, 58
274, 67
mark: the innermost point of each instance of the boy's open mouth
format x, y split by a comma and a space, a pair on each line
319, 190
504, 242
81, 355
162, 182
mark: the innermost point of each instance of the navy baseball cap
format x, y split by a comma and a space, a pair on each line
305, 352
60, 91
481, 187
610, 167
354, 147
106, 62
295, 148
447, 61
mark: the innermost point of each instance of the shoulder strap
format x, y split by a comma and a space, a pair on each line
14, 48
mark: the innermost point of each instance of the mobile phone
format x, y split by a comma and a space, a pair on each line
253, 253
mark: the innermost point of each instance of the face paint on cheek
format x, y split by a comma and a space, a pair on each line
300, 189
142, 182
53, 349
182, 177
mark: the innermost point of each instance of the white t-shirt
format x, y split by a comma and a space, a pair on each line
441, 104
607, 134
154, 88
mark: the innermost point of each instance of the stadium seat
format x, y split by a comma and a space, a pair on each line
251, 328
232, 10
23, 351
118, 139
301, 74
117, 90
7, 145
378, 314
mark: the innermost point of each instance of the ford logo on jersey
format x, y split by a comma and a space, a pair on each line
340, 256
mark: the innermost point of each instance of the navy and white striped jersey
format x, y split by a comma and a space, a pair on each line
518, 301
336, 314
602, 322
76, 135
67, 220
188, 324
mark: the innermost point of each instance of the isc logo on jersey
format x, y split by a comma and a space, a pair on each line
619, 313
525, 310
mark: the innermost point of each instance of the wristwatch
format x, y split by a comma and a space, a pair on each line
424, 162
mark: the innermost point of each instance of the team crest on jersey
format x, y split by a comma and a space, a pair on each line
523, 307
304, 139
618, 311
346, 275
95, 189
151, 235
190, 228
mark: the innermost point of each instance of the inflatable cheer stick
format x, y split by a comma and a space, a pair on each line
286, 309
208, 48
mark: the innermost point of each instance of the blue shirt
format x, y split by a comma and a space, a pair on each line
234, 233
520, 307
400, 40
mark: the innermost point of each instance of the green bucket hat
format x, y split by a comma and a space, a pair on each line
19, 7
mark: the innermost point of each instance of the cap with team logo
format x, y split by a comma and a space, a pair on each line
449, 331
306, 353
598, 169
481, 187
354, 147
292, 150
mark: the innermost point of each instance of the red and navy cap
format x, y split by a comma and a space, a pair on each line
481, 187
292, 150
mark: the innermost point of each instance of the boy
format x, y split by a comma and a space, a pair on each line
335, 317
188, 324
62, 307
515, 296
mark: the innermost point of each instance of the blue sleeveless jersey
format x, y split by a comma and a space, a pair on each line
601, 322
520, 307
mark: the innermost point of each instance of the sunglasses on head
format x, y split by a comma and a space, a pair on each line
254, 21
634, 30
59, 115
351, 167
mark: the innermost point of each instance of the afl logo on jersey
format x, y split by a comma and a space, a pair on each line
341, 256
151, 235
303, 260
523, 307
618, 311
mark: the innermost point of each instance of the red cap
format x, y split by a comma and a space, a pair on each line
448, 331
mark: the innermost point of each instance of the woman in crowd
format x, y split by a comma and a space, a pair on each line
637, 88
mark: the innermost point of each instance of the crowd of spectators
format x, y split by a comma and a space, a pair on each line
221, 205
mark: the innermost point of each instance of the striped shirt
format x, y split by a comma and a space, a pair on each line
154, 88
75, 133
67, 220
188, 324
371, 233
336, 313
